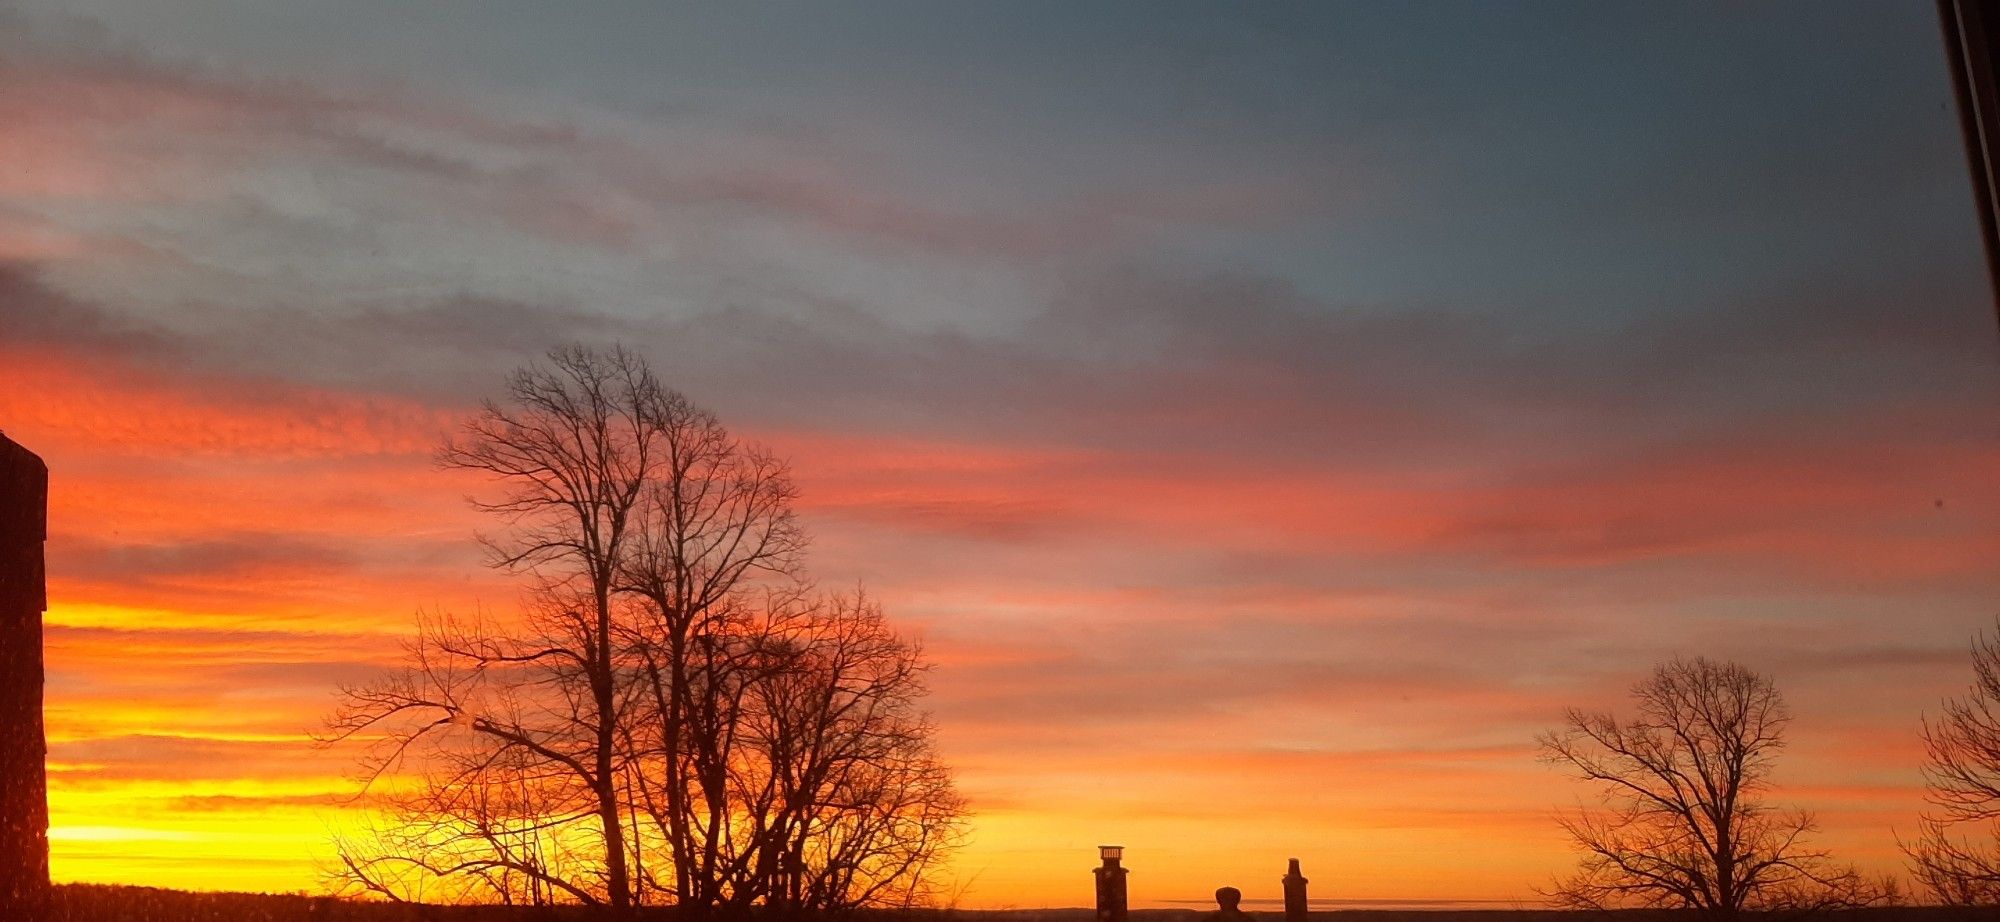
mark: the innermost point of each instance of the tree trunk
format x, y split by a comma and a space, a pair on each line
616, 877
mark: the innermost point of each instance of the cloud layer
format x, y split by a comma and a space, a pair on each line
1260, 480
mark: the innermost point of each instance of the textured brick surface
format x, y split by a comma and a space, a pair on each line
24, 807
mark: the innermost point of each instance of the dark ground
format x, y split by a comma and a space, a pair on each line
103, 903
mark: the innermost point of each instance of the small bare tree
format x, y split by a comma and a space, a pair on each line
1681, 821
1962, 779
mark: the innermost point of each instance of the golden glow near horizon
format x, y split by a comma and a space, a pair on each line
181, 753
1258, 486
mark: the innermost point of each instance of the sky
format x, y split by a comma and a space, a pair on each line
1268, 417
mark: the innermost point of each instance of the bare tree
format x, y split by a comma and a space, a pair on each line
1962, 780
680, 717
501, 803
485, 822
574, 447
715, 527
845, 803
1681, 821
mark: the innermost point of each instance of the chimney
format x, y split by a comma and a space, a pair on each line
1110, 884
1295, 893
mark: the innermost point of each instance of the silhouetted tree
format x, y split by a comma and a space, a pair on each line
1681, 821
715, 527
844, 802
1962, 779
495, 801
575, 447
681, 717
